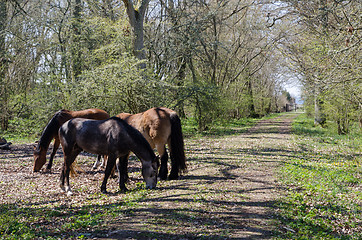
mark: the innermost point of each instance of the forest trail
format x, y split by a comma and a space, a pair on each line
244, 168
227, 193
268, 145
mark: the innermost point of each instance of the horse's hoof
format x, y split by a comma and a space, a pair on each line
162, 177
173, 177
47, 170
69, 193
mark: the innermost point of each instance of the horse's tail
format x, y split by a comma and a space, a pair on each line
74, 169
177, 152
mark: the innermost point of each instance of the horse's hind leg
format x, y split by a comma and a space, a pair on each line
64, 177
97, 162
164, 158
55, 148
104, 162
110, 164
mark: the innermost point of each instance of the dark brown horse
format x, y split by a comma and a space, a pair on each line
112, 137
50, 132
161, 126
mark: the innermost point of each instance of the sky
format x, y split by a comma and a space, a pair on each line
295, 91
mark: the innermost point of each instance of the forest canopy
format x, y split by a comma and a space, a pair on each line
205, 59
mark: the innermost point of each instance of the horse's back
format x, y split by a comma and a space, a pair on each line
94, 136
81, 132
154, 124
91, 113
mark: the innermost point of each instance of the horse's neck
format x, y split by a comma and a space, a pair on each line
47, 136
51, 130
144, 154
143, 150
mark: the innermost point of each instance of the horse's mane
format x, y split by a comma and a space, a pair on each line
48, 132
139, 138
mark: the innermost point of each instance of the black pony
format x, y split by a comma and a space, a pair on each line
112, 137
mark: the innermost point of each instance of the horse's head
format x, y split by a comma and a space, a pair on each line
149, 172
39, 159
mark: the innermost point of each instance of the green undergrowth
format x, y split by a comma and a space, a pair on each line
20, 131
28, 221
221, 127
323, 182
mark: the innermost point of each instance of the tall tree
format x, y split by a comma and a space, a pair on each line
136, 14
76, 39
3, 66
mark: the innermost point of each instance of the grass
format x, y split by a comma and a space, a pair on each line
323, 185
19, 221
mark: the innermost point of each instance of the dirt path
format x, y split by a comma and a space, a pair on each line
270, 142
227, 193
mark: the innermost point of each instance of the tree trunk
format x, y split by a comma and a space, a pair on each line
3, 68
252, 112
319, 116
136, 18
181, 60
75, 48
181, 74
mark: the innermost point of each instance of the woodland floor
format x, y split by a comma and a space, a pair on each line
227, 193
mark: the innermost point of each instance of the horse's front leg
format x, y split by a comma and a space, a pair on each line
110, 164
55, 148
123, 172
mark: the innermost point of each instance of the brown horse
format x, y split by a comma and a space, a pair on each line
161, 126
50, 132
112, 137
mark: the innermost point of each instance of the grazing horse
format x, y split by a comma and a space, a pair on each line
161, 126
112, 137
50, 132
